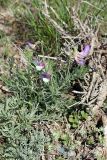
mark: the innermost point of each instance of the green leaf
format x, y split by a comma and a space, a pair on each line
56, 135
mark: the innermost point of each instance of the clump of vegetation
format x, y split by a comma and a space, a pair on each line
47, 98
4, 3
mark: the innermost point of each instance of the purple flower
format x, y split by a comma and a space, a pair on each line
81, 62
86, 50
80, 56
45, 77
39, 65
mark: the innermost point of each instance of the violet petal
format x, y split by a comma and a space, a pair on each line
39, 65
80, 57
86, 50
45, 77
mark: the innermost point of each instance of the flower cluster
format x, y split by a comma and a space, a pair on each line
40, 66
80, 56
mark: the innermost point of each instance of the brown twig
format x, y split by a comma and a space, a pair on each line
94, 78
